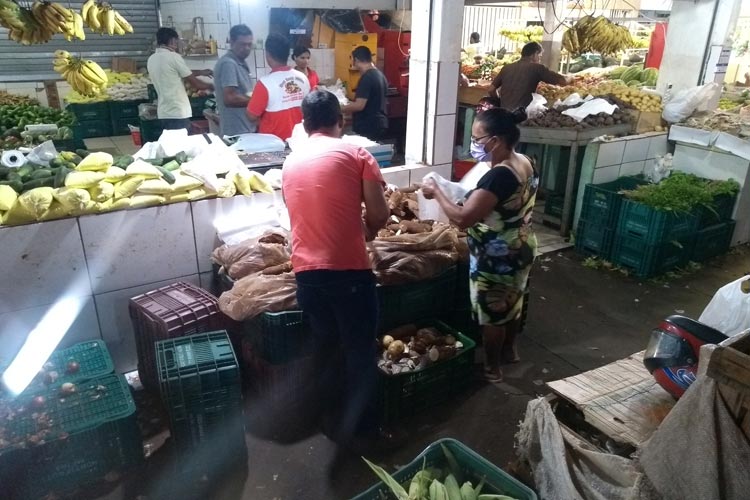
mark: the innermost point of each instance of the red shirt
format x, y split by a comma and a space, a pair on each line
277, 100
322, 188
314, 79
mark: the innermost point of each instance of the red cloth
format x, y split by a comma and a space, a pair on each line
277, 100
314, 79
656, 46
322, 186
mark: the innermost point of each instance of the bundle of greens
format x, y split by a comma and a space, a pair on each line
681, 192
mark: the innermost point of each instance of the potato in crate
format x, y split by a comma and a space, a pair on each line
172, 311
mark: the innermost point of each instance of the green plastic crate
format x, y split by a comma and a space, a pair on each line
554, 204
722, 211
120, 126
712, 241
474, 467
92, 128
92, 357
125, 109
94, 432
94, 111
594, 239
404, 304
200, 386
279, 337
601, 202
150, 130
407, 394
654, 227
649, 260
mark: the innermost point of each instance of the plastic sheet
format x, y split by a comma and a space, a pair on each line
729, 309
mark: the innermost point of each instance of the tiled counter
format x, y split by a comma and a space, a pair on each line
100, 261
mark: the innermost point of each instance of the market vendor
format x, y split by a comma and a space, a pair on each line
517, 81
324, 187
169, 73
277, 98
234, 84
502, 243
369, 114
301, 58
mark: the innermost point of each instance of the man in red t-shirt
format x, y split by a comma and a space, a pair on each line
324, 187
277, 97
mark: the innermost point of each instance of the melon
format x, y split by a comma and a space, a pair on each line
631, 74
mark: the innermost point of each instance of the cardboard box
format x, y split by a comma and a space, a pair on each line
472, 95
124, 65
648, 121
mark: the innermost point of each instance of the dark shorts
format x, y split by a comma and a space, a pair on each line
175, 124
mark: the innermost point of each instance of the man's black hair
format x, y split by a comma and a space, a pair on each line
277, 46
362, 54
320, 110
166, 35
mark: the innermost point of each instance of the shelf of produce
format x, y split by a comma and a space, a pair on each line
574, 139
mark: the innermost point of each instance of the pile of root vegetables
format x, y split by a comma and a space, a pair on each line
409, 348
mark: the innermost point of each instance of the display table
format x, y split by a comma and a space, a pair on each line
573, 139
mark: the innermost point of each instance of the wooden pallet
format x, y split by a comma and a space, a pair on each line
729, 364
620, 399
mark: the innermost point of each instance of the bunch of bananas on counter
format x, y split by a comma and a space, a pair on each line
596, 34
86, 77
103, 19
39, 23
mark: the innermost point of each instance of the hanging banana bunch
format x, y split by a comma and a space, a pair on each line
596, 34
86, 77
102, 18
58, 19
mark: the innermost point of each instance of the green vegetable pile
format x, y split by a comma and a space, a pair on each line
20, 115
14, 137
435, 484
681, 192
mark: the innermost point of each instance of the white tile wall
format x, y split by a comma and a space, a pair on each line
398, 176
115, 324
632, 168
206, 281
636, 150
610, 153
16, 325
124, 249
417, 173
658, 146
606, 174
47, 263
448, 89
445, 132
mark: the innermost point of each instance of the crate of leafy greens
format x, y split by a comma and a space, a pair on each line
69, 435
446, 469
601, 202
712, 241
421, 365
721, 208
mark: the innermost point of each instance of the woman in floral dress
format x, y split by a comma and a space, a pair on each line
502, 244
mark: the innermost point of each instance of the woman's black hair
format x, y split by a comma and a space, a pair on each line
499, 122
299, 50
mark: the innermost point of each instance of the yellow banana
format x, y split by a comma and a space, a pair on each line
93, 73
78, 26
85, 8
93, 18
66, 14
110, 22
62, 54
123, 23
118, 29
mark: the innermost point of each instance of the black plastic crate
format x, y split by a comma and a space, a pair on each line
150, 130
594, 239
120, 126
649, 260
91, 432
200, 384
94, 111
279, 337
197, 105
601, 202
172, 311
92, 128
712, 241
554, 205
125, 109
406, 394
403, 304
652, 226
722, 211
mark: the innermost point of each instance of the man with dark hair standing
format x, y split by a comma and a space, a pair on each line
276, 100
517, 81
369, 115
324, 187
169, 73
233, 83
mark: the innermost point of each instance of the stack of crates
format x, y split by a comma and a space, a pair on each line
172, 311
80, 436
600, 214
650, 242
715, 229
93, 120
200, 385
124, 113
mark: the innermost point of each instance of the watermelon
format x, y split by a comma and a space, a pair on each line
649, 77
616, 73
631, 74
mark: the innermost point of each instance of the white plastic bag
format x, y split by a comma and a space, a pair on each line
591, 107
453, 190
729, 309
43, 153
536, 107
258, 143
430, 209
660, 169
687, 101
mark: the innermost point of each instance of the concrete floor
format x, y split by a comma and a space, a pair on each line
579, 319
